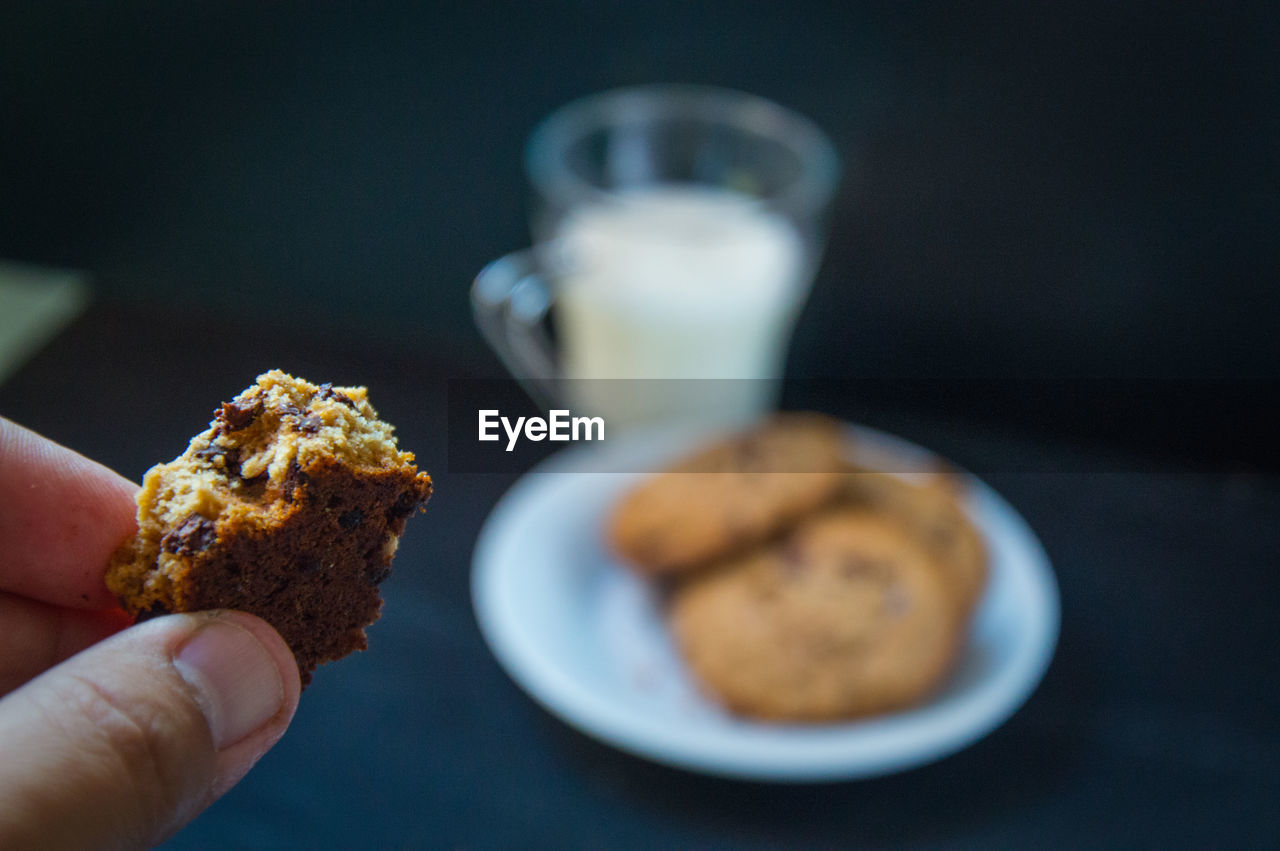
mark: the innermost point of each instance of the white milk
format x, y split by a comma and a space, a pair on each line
678, 282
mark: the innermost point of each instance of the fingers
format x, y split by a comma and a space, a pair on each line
126, 742
61, 517
36, 636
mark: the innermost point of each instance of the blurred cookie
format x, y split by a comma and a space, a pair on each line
289, 506
930, 506
846, 616
735, 494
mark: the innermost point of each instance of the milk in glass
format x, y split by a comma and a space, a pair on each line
678, 282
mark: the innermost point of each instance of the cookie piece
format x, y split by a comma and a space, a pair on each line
846, 616
734, 494
930, 506
289, 506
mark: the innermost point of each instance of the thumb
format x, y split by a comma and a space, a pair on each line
124, 743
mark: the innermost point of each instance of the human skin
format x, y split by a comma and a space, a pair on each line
113, 735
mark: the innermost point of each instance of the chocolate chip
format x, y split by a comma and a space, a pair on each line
378, 574
310, 424
309, 567
403, 506
254, 488
193, 535
294, 478
231, 460
235, 415
350, 519
326, 391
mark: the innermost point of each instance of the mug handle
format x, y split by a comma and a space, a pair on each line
510, 299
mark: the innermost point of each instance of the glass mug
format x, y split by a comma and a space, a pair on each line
677, 230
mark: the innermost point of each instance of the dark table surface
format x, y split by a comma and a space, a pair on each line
1158, 723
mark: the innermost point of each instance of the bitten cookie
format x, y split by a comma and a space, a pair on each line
730, 496
846, 616
929, 507
289, 506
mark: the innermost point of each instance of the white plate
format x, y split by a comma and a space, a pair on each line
585, 638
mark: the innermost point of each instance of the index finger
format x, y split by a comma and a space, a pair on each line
61, 517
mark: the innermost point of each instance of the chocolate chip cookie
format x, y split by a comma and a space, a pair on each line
845, 616
930, 506
289, 506
733, 495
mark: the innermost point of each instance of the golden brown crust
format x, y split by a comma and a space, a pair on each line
930, 507
847, 616
731, 496
289, 506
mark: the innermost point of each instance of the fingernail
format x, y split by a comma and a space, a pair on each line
236, 679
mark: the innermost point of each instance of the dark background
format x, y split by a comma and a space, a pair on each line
1031, 188
1068, 191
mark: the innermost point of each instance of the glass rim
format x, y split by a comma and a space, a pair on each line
549, 172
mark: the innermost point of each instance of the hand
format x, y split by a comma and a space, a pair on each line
111, 735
